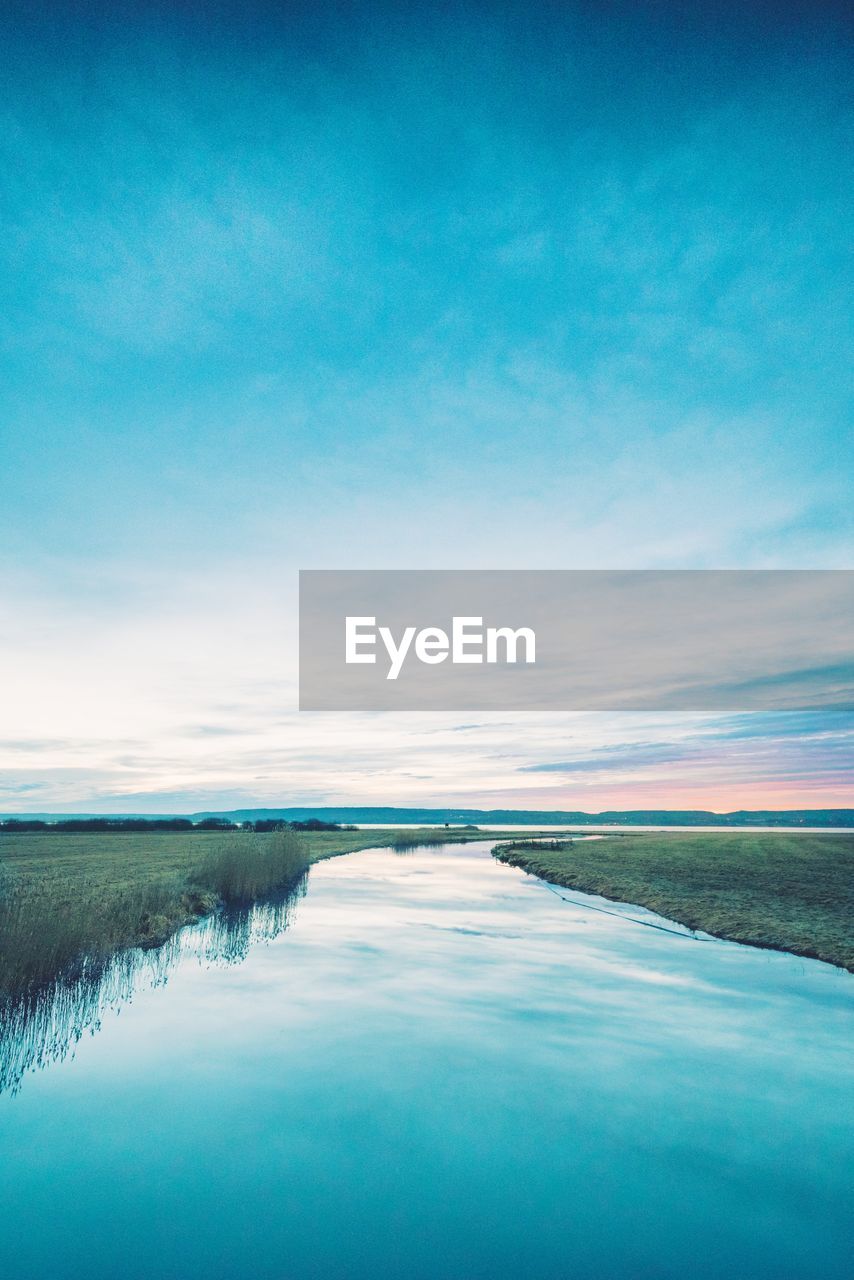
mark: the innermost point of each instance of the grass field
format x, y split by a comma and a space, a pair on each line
789, 892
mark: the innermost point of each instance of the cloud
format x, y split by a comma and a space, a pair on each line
19, 788
618, 757
211, 731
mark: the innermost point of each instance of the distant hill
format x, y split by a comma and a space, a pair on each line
545, 817
510, 817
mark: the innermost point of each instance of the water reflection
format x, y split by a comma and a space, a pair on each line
445, 1069
45, 1024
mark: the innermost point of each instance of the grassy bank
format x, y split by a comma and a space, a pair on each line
788, 892
60, 908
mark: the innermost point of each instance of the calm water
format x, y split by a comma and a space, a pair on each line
533, 827
444, 1069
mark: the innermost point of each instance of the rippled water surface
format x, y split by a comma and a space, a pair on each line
442, 1068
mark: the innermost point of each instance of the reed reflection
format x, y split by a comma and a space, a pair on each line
42, 1024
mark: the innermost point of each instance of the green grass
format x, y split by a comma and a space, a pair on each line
788, 892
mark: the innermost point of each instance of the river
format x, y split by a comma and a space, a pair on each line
441, 1069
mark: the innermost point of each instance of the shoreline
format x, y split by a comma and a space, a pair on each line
758, 890
95, 896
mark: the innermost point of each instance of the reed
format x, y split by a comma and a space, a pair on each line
48, 932
244, 868
405, 841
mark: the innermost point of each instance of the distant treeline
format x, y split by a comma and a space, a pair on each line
260, 826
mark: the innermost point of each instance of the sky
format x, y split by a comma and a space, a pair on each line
427, 286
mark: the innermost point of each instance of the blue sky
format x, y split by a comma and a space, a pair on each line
462, 287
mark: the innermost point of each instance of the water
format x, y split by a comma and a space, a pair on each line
443, 1069
533, 827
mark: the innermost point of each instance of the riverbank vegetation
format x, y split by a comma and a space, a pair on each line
75, 897
62, 907
536, 846
790, 892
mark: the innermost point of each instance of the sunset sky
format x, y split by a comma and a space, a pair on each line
427, 286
